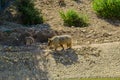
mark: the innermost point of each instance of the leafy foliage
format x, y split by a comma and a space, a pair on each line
29, 15
2, 3
72, 18
107, 8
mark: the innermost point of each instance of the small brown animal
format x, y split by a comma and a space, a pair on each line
60, 41
29, 40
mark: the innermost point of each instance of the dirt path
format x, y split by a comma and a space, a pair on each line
96, 60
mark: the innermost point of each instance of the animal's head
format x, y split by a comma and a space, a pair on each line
49, 42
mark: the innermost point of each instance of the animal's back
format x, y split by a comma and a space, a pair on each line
55, 39
65, 39
60, 40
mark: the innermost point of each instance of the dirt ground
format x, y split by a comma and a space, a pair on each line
99, 30
95, 51
38, 63
96, 60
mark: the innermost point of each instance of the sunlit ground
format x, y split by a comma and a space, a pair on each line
94, 79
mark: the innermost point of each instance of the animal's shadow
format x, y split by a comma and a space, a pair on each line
66, 57
78, 1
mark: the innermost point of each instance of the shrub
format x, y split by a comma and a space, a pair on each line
107, 8
29, 15
72, 18
2, 3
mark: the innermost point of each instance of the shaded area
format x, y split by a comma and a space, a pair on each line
78, 1
65, 57
23, 66
113, 22
4, 4
15, 34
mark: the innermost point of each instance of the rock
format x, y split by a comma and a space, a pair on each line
107, 34
23, 36
84, 31
17, 35
31, 31
3, 36
19, 30
13, 38
7, 48
29, 40
14, 35
43, 35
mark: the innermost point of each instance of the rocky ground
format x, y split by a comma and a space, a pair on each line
95, 51
36, 62
96, 60
99, 30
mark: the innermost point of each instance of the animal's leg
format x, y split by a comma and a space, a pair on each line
69, 45
55, 47
62, 46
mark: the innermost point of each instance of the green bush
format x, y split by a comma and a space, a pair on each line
72, 18
3, 2
29, 15
107, 8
